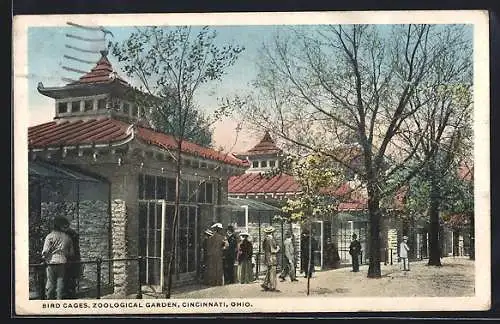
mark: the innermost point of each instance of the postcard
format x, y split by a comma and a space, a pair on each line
217, 163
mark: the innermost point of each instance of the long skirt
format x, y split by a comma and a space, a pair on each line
245, 271
214, 272
270, 281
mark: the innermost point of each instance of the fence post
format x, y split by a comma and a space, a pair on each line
42, 278
98, 274
391, 255
139, 283
361, 256
385, 256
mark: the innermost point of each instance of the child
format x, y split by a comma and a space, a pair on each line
403, 253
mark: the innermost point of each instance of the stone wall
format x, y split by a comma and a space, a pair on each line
93, 228
120, 246
90, 219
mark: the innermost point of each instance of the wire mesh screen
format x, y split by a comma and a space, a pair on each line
86, 207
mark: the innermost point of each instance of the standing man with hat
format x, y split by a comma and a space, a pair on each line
215, 246
403, 253
73, 267
57, 249
270, 249
355, 251
245, 252
230, 255
289, 260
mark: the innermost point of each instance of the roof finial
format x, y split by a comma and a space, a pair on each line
267, 137
104, 52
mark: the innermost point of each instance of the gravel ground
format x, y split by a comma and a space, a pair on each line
454, 279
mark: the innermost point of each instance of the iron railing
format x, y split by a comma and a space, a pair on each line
39, 278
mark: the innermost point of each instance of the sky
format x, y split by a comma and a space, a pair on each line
48, 45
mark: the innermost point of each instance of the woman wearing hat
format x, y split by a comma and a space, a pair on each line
245, 252
215, 246
270, 249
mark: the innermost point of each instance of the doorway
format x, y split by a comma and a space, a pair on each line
155, 229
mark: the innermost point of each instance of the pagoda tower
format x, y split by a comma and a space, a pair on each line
264, 156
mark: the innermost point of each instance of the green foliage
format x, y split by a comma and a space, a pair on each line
456, 195
315, 173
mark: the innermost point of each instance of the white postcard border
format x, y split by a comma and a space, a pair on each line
481, 300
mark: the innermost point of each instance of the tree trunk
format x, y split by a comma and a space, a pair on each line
173, 237
308, 272
456, 245
374, 214
434, 248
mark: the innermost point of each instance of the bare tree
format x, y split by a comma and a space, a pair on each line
171, 64
339, 90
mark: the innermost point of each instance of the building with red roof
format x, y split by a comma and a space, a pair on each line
99, 130
258, 183
351, 215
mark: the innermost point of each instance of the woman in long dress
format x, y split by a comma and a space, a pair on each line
215, 245
270, 260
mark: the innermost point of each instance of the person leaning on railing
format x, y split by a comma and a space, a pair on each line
74, 269
57, 248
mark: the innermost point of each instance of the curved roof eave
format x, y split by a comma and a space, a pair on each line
130, 136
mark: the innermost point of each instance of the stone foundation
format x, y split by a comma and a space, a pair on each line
125, 276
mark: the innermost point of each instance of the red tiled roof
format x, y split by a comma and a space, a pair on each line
265, 146
252, 183
352, 205
104, 131
102, 72
257, 183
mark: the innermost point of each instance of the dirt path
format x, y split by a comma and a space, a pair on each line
455, 278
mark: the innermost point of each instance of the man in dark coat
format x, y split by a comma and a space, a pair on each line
73, 267
230, 255
354, 251
306, 241
245, 252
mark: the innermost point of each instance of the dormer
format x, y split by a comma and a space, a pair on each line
101, 91
264, 156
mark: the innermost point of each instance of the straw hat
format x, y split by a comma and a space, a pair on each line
216, 225
269, 230
405, 237
244, 234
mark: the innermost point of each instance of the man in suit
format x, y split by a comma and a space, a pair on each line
230, 255
73, 268
289, 259
354, 251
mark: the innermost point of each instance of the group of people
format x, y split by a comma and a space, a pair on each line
61, 253
355, 251
222, 253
